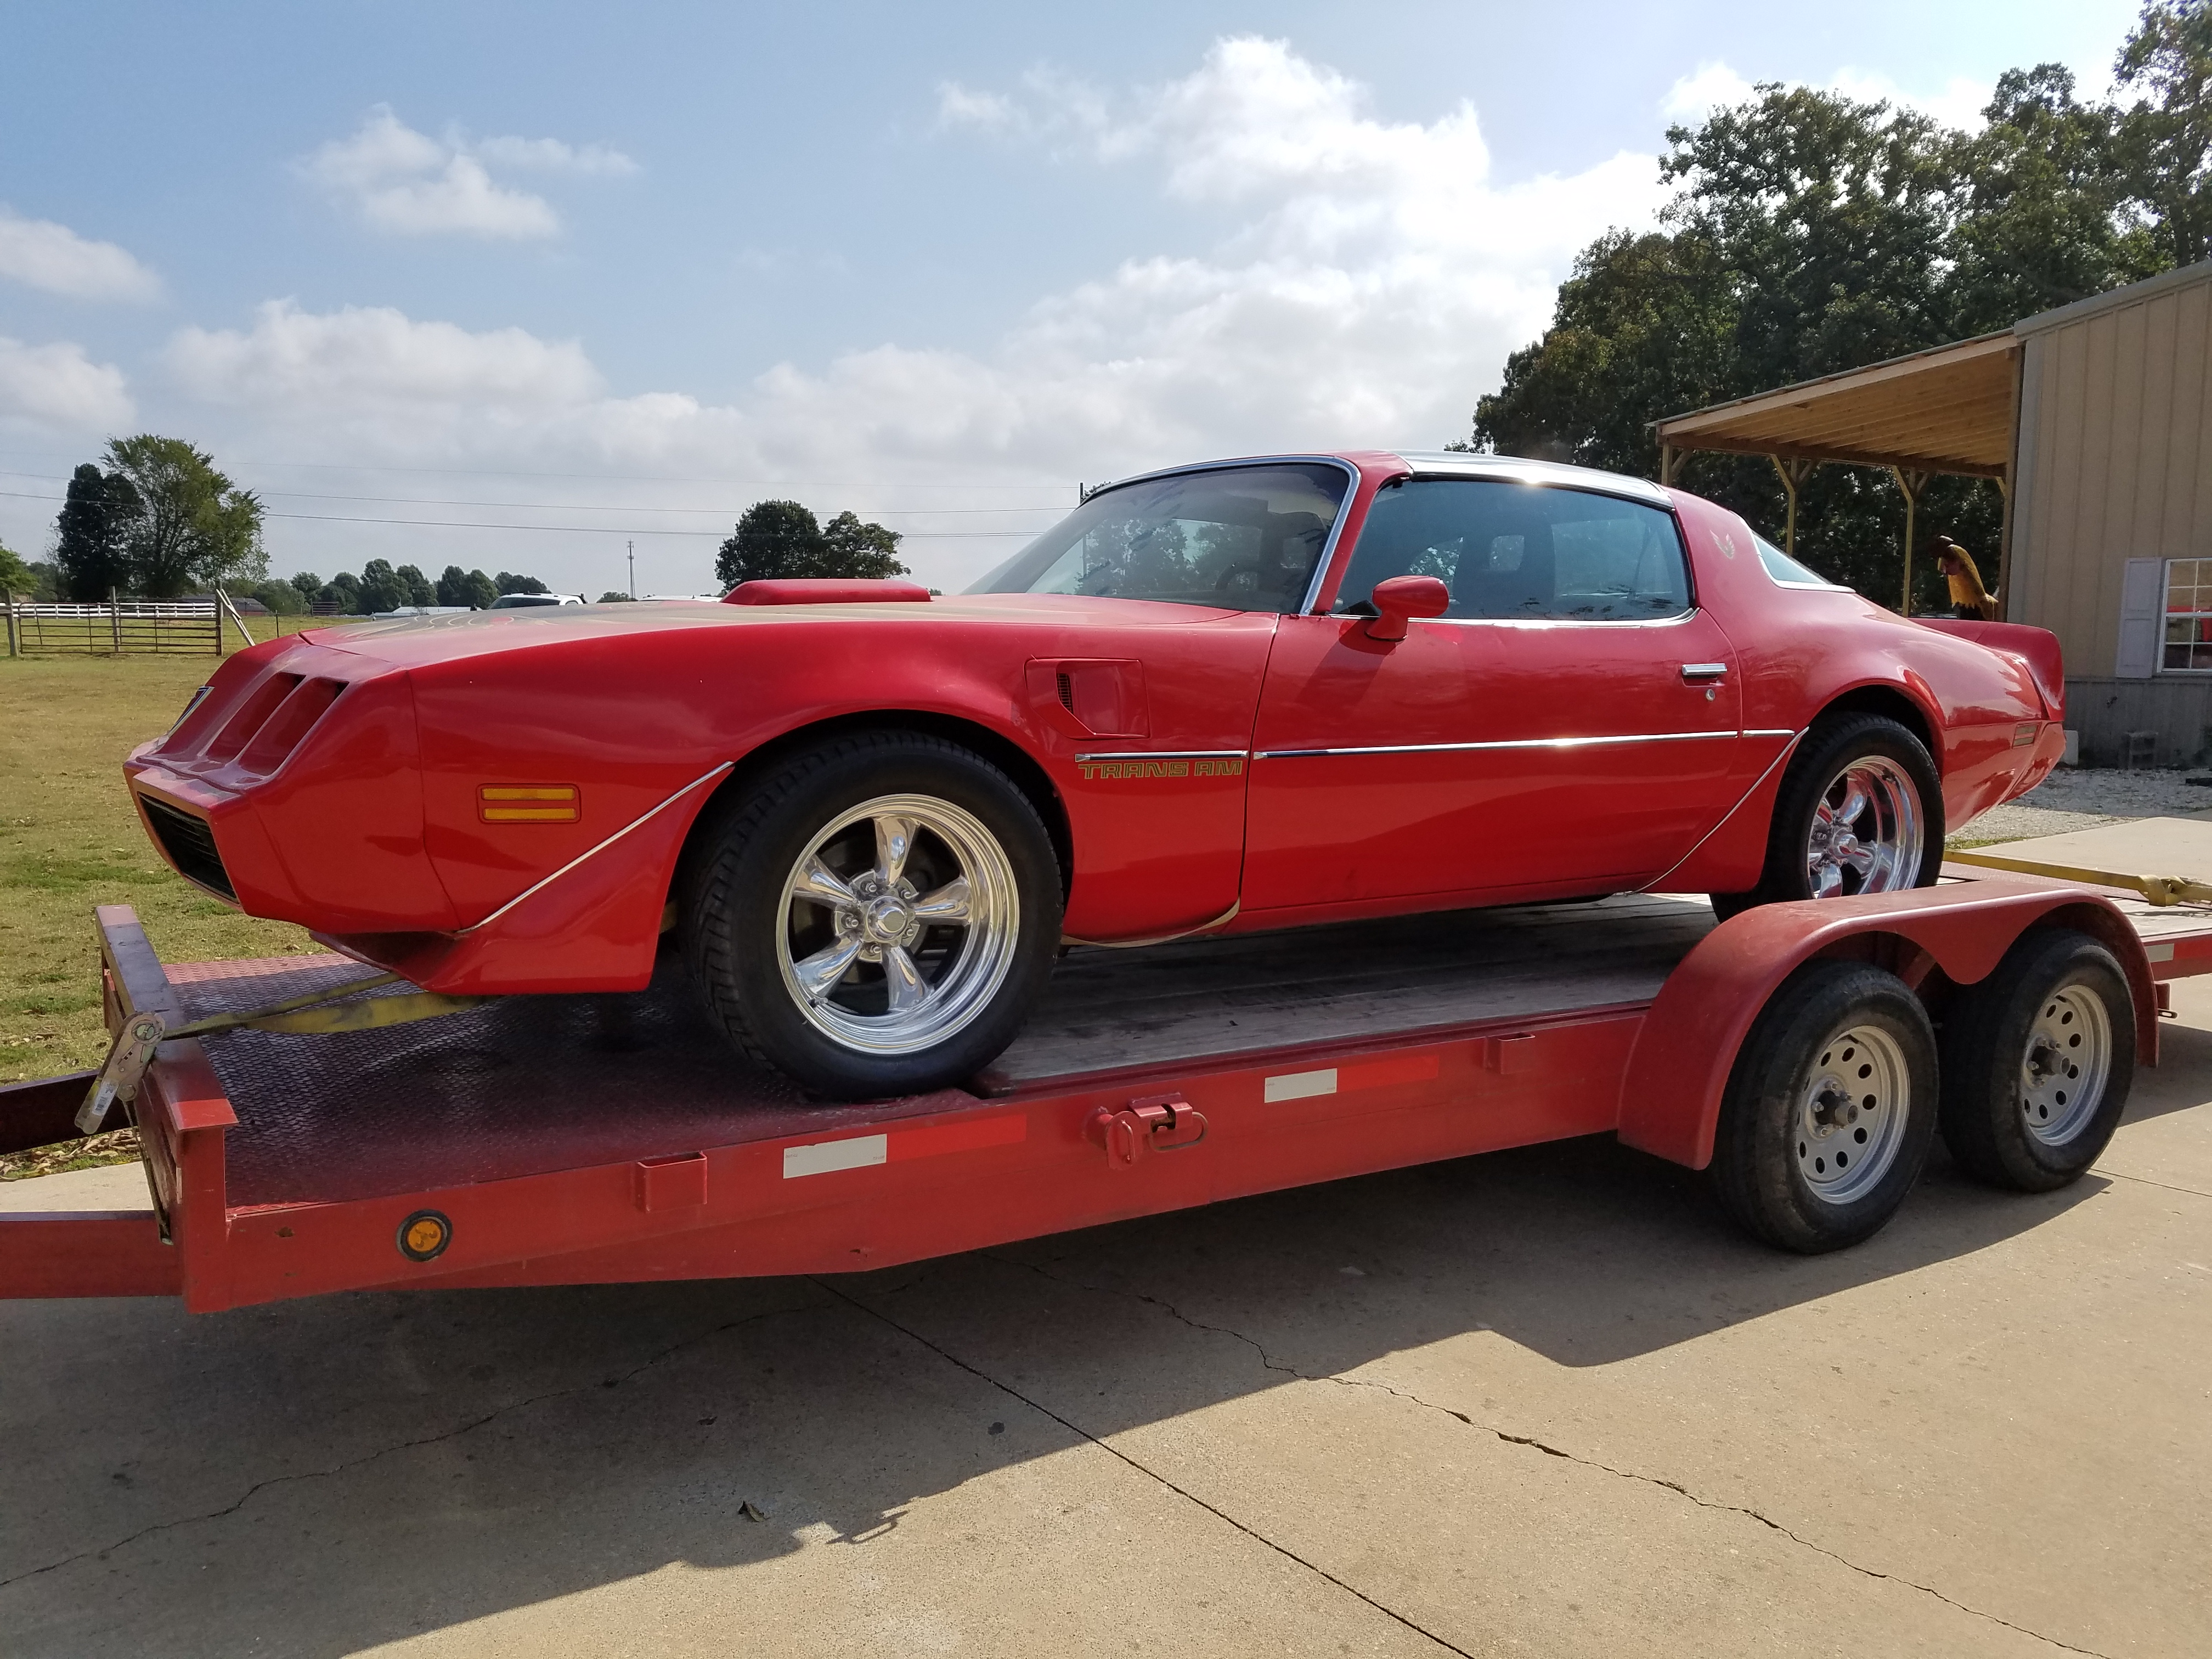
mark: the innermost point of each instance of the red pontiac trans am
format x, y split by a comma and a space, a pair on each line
1246, 694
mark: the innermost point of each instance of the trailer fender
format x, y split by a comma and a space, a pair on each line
1671, 1091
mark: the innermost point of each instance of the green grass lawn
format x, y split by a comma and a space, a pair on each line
69, 840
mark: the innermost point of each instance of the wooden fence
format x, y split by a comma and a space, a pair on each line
123, 627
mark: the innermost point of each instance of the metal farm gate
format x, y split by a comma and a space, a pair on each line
123, 627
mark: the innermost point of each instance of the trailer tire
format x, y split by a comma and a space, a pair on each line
870, 858
1829, 1109
2038, 1060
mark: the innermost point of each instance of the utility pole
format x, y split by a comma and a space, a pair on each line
633, 568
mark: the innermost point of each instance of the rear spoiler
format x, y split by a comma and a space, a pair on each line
2037, 648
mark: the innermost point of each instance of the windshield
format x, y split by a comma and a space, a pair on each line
1236, 538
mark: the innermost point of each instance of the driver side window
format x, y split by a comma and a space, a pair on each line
1515, 551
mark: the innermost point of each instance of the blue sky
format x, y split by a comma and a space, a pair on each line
614, 273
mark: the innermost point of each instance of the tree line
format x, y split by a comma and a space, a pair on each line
1811, 233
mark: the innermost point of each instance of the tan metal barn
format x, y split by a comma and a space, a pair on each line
2096, 419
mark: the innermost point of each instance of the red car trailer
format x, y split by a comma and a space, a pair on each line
564, 1139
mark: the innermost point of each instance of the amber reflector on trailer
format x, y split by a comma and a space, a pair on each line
530, 803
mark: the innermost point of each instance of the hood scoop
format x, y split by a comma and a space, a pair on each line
818, 592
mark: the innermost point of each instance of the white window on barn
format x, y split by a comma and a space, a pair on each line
2188, 617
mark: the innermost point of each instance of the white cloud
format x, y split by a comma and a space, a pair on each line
1369, 279
1715, 86
1710, 86
551, 155
43, 254
412, 184
373, 361
57, 386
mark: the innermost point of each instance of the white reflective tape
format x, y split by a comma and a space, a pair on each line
2158, 953
1298, 1085
824, 1156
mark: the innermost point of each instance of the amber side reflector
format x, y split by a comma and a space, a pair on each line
530, 803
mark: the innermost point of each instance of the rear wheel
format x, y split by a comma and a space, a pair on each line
1860, 811
1829, 1111
877, 917
2038, 1062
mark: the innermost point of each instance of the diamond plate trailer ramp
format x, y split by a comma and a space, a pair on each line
541, 1141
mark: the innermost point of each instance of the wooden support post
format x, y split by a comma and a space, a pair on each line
15, 643
1793, 473
1666, 465
1911, 484
115, 619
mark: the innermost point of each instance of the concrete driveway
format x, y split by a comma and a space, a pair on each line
1542, 1403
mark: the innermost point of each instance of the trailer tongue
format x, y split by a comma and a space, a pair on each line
561, 1139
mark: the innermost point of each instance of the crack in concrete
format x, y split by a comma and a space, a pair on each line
1146, 1470
1548, 1449
352, 1463
2145, 1180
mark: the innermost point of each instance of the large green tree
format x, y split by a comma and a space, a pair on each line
193, 528
781, 540
2165, 137
89, 549
1811, 233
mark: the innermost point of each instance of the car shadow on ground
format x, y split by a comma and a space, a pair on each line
355, 1470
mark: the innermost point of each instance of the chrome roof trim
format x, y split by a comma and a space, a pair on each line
1462, 463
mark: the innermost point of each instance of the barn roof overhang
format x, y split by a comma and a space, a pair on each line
1949, 409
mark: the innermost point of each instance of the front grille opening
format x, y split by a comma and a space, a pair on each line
190, 845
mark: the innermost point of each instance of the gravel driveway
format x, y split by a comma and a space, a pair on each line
2082, 798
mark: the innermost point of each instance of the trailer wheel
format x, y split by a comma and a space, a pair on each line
875, 917
2038, 1060
1829, 1111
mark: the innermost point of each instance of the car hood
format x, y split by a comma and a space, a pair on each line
421, 640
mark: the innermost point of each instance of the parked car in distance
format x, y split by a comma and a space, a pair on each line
1243, 695
527, 601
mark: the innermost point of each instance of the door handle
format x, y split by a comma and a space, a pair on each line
1704, 673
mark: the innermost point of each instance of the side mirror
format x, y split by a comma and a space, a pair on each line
1404, 597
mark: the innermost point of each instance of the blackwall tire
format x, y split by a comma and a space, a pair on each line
2038, 1062
1868, 757
876, 916
1829, 1109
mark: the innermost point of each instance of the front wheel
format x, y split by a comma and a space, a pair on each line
1860, 811
877, 917
1829, 1111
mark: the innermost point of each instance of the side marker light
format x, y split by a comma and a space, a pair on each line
530, 803
424, 1235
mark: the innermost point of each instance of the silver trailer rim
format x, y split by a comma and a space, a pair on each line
1867, 831
1850, 1118
898, 925
2069, 1055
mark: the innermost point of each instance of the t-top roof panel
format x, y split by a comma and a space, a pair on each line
1949, 409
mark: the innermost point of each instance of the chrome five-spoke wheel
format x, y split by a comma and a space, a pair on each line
1866, 832
899, 923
